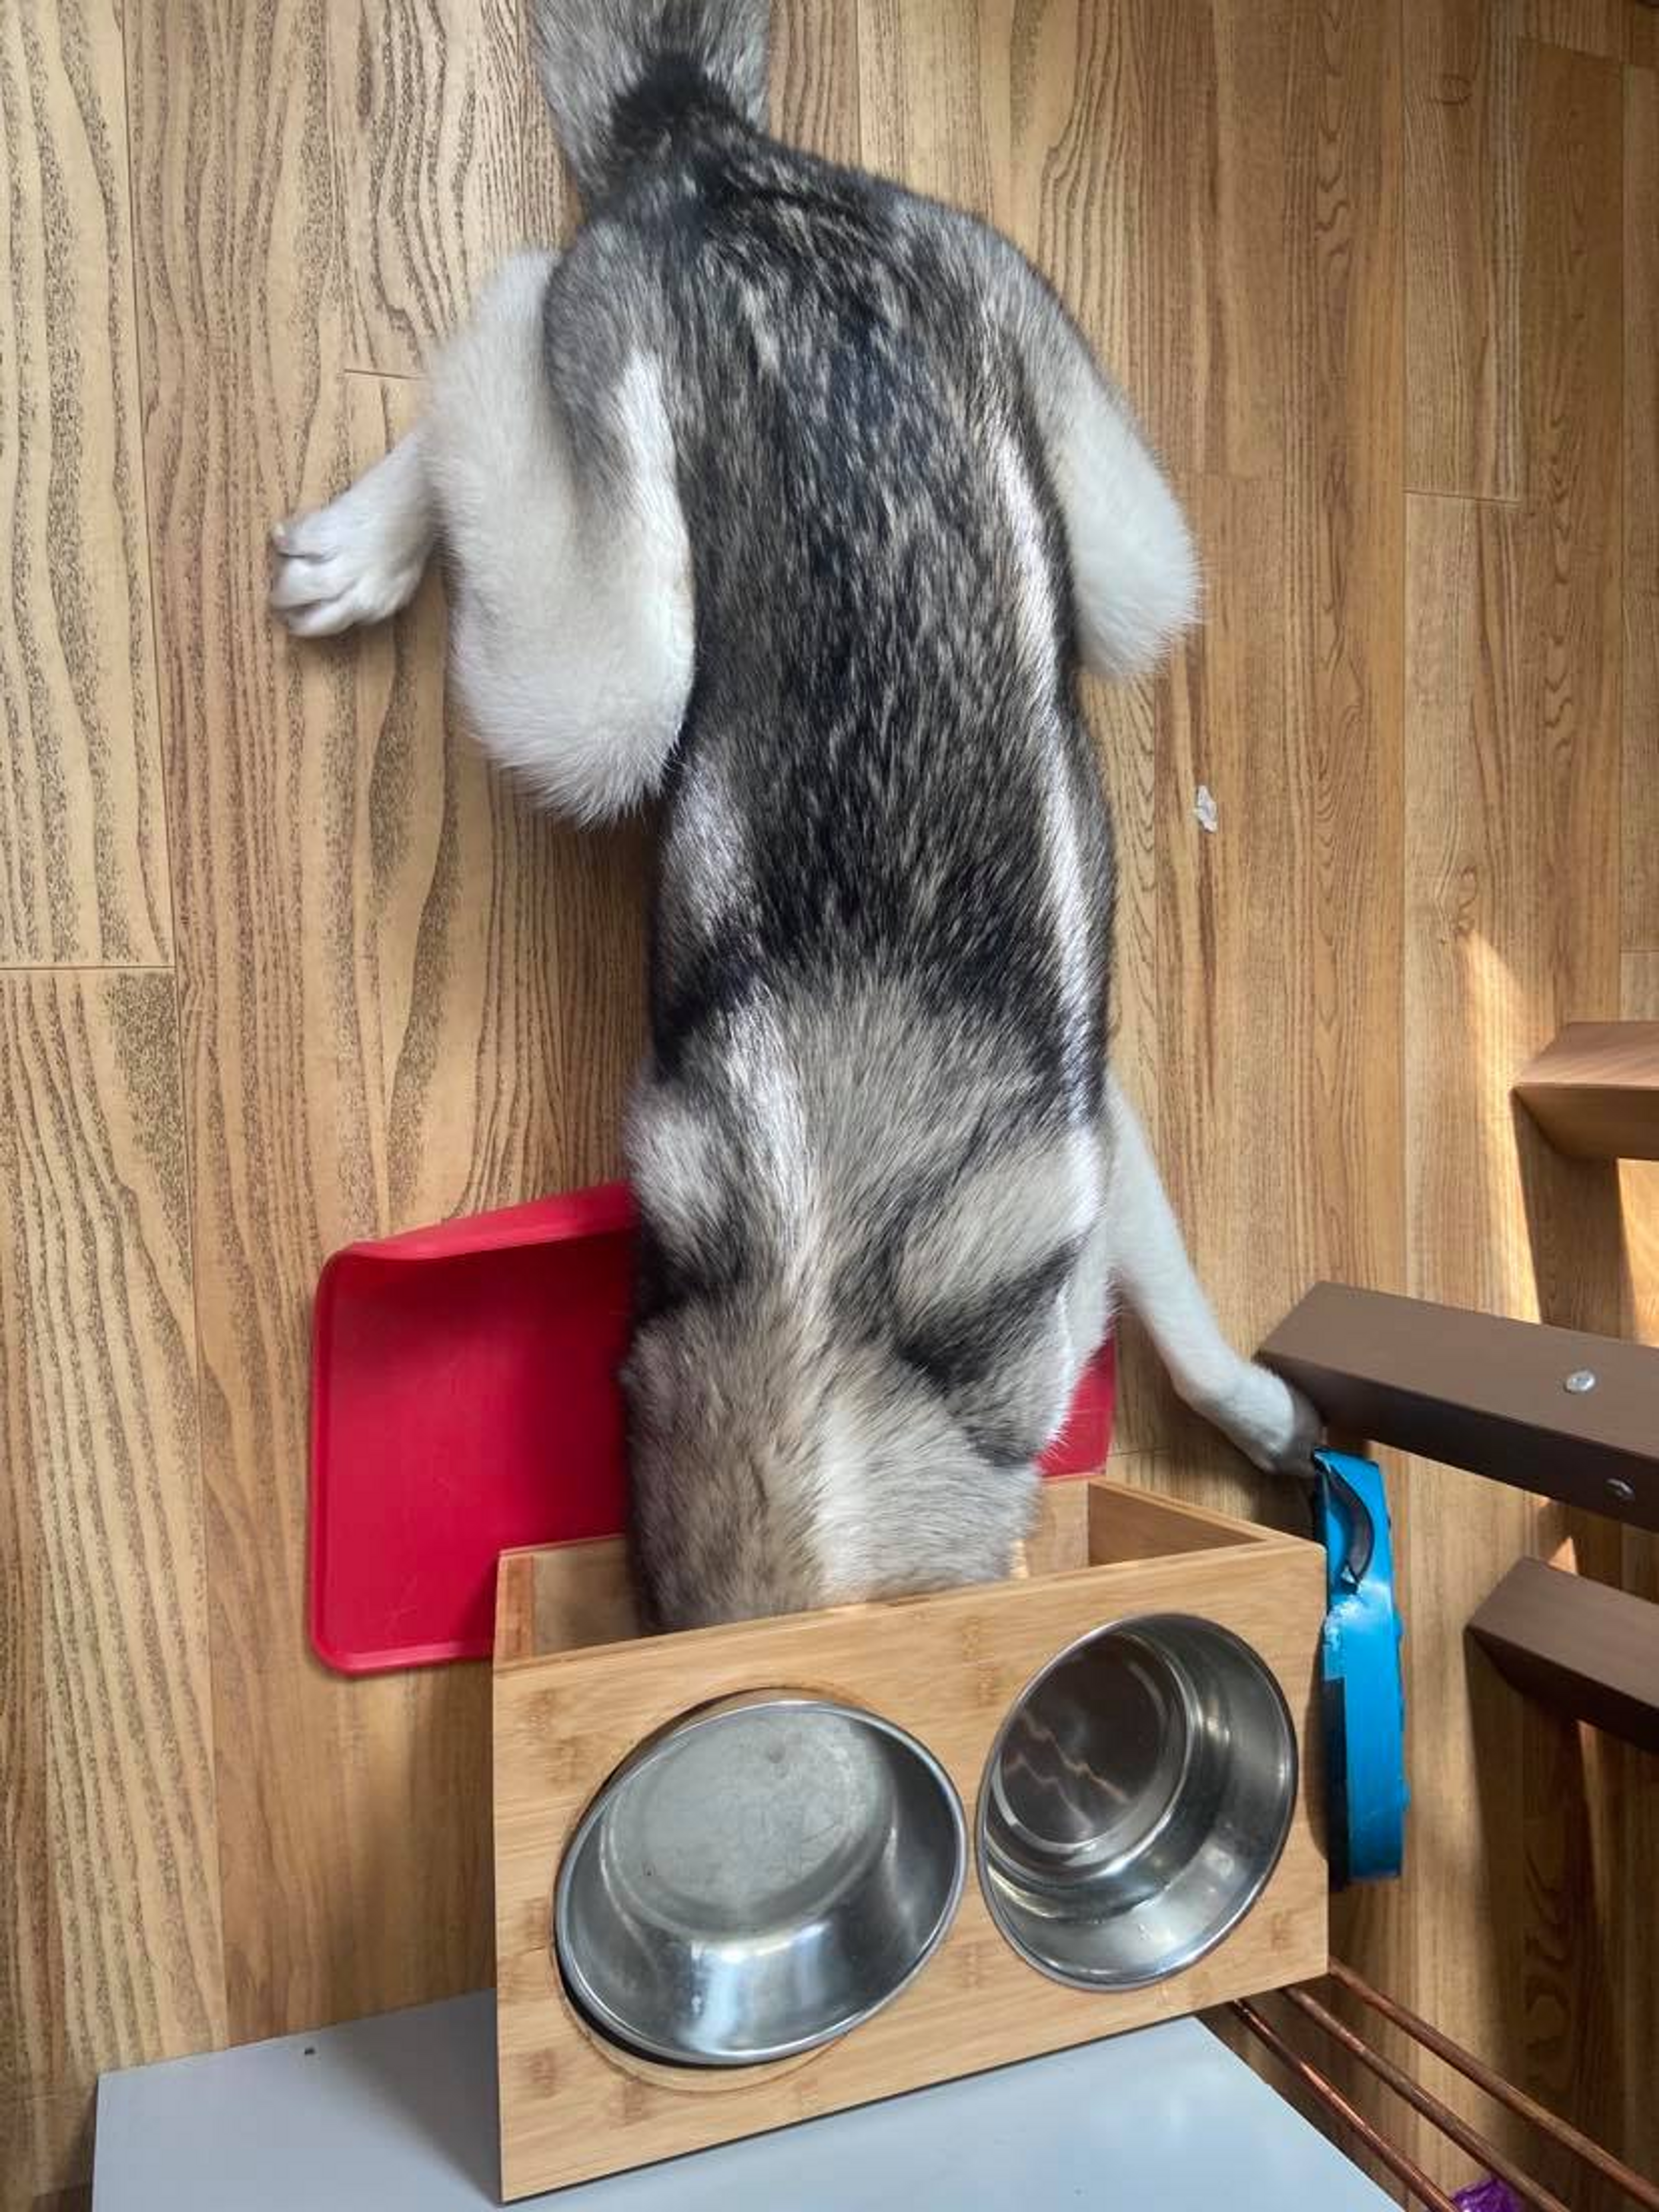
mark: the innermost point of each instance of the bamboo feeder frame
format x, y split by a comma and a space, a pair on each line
577, 1690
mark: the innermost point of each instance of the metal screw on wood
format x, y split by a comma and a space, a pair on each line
1579, 1380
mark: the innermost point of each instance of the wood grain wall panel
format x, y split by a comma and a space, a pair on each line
1640, 831
1244, 301
1562, 814
232, 138
1641, 335
1470, 824
1589, 27
1512, 783
1462, 272
1640, 826
1572, 306
1123, 183
1571, 312
83, 866
406, 996
495, 1000
933, 100
1290, 693
111, 1949
1126, 719
1639, 1179
815, 77
1232, 951
1632, 1787
1638, 1844
426, 98
1344, 676
1218, 217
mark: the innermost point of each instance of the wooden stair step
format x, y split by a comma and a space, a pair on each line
1587, 1651
1594, 1091
1555, 1411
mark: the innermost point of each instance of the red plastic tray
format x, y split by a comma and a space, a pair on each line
464, 1400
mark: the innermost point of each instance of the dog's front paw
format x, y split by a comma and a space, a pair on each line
1270, 1421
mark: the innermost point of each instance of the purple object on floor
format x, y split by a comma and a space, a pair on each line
1488, 2196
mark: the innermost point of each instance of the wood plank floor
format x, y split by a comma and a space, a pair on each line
281, 964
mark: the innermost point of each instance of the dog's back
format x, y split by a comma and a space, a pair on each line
866, 1148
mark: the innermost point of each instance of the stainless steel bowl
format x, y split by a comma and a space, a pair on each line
1136, 1800
757, 1879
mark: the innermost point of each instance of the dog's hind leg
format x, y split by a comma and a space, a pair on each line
1271, 1423
1133, 571
569, 569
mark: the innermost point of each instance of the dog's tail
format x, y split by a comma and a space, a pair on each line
623, 76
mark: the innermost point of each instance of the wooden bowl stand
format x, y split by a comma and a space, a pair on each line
576, 1689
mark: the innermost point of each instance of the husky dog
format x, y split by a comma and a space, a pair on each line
798, 500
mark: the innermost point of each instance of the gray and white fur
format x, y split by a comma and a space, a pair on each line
798, 500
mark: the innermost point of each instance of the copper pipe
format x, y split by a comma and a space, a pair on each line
1611, 2169
1448, 2122
1405, 2170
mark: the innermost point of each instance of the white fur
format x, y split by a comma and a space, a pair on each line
1005, 1218
710, 825
359, 559
1087, 1307
842, 1523
887, 1459
572, 630
1034, 586
1070, 898
1134, 573
673, 1156
572, 637
784, 1160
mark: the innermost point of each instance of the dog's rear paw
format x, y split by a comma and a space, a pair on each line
333, 569
358, 559
1270, 1421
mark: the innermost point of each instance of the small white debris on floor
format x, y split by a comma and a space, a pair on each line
1205, 810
